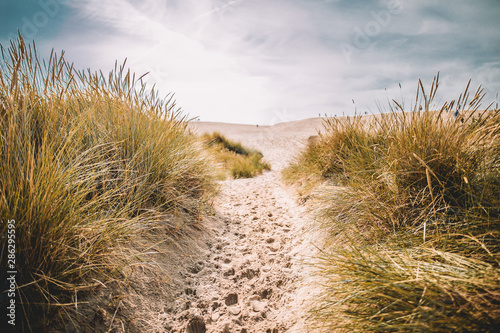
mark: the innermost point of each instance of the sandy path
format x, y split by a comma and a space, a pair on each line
242, 269
252, 278
247, 283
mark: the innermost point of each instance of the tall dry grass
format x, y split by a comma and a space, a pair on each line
87, 162
411, 205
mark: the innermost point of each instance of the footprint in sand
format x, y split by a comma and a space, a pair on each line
245, 285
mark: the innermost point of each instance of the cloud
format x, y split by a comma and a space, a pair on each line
233, 62
257, 61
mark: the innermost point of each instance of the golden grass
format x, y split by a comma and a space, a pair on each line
411, 205
87, 161
236, 160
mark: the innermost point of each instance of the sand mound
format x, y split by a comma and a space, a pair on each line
279, 143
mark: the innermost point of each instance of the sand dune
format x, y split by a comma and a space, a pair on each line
251, 276
279, 143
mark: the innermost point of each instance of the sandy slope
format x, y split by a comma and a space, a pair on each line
278, 143
253, 278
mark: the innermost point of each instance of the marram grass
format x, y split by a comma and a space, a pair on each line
410, 205
87, 162
419, 289
235, 159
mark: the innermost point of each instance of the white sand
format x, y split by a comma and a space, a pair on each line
278, 143
254, 279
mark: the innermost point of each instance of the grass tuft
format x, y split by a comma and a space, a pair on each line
87, 162
410, 203
237, 160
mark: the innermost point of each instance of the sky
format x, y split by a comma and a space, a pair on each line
270, 61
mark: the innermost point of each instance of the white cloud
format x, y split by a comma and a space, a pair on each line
258, 61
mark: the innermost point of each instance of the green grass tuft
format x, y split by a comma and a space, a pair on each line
410, 203
237, 160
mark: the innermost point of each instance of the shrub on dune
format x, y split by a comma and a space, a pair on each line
239, 161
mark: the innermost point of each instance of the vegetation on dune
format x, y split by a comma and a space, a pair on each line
410, 202
86, 162
237, 160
